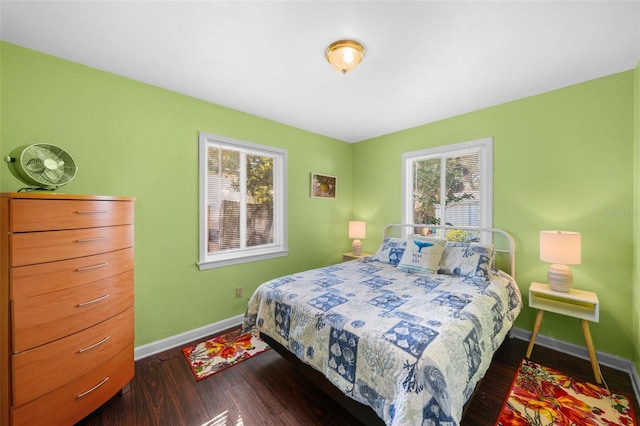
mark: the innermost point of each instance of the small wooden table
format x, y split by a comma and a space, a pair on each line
351, 256
580, 304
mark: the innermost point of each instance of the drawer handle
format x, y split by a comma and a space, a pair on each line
86, 268
88, 240
80, 305
90, 211
80, 395
88, 348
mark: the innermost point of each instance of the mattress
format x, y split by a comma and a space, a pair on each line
411, 346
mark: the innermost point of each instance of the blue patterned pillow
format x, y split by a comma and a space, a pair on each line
422, 254
467, 259
391, 250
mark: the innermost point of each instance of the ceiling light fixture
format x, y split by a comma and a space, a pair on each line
344, 55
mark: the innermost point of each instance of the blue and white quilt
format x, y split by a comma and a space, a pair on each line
410, 346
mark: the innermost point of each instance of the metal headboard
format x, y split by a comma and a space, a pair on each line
512, 245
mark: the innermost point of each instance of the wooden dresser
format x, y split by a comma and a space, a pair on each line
66, 305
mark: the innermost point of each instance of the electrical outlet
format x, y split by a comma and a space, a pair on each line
238, 292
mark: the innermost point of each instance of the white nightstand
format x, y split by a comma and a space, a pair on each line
580, 304
351, 256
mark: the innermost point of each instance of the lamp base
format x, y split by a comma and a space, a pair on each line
356, 248
560, 278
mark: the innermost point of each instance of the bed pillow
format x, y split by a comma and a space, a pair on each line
422, 254
391, 250
467, 259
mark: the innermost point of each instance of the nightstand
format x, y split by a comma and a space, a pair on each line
351, 256
580, 304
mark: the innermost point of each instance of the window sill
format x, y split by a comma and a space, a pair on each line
210, 264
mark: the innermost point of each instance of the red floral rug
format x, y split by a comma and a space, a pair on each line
540, 396
224, 351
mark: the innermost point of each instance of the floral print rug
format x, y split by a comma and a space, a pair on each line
224, 351
542, 396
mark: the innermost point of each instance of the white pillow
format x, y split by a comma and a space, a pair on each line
391, 250
422, 254
467, 259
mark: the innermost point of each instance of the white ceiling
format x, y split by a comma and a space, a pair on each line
424, 60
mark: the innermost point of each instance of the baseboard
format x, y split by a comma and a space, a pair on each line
158, 346
608, 360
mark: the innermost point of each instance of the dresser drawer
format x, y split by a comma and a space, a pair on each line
39, 247
49, 215
70, 357
32, 280
72, 402
48, 317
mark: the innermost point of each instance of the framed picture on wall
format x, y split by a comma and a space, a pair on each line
323, 186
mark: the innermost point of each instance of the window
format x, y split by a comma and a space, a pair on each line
243, 193
449, 185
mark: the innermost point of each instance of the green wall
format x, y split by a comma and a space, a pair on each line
562, 160
636, 221
133, 139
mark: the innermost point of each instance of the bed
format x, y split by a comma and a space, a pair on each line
409, 331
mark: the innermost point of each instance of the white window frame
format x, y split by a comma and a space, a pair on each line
279, 246
482, 146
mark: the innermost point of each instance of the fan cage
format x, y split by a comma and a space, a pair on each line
44, 166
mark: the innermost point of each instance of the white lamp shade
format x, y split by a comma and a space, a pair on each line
560, 247
357, 229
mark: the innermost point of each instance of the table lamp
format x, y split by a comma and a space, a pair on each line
357, 229
560, 248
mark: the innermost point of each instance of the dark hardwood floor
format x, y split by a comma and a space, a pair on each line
266, 390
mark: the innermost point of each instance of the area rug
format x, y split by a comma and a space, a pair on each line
224, 351
542, 396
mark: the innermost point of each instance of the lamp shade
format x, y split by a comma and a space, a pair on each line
560, 247
357, 229
344, 55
